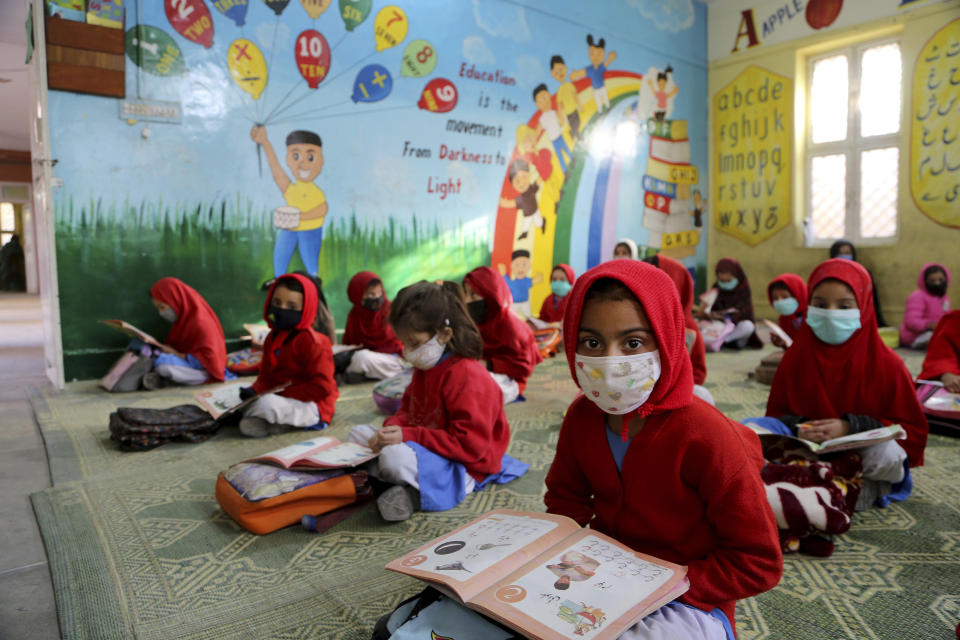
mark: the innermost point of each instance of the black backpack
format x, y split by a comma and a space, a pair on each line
142, 429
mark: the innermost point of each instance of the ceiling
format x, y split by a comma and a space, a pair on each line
16, 93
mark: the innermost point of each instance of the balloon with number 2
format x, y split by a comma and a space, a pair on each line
191, 19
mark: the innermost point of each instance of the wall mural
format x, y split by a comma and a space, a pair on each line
417, 140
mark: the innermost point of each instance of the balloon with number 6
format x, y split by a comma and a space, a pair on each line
354, 12
247, 66
373, 83
154, 51
315, 7
313, 57
236, 10
419, 59
191, 19
277, 6
439, 95
390, 27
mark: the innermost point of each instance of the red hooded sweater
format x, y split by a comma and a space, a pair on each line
684, 283
943, 352
455, 410
689, 490
798, 289
365, 327
300, 356
197, 330
862, 376
508, 342
553, 307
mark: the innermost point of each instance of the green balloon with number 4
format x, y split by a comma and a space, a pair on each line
419, 59
354, 12
154, 51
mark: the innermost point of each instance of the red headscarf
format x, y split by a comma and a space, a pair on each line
369, 328
197, 330
684, 283
553, 307
798, 289
943, 353
862, 376
661, 303
310, 302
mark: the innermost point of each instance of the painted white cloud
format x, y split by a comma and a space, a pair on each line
530, 71
501, 20
475, 50
670, 15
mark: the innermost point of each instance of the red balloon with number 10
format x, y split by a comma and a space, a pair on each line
313, 57
439, 95
191, 19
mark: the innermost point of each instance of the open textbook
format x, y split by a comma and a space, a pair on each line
843, 443
131, 331
223, 401
778, 330
544, 576
323, 452
943, 403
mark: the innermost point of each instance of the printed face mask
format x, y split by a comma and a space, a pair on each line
729, 285
618, 384
284, 319
169, 315
373, 304
560, 288
427, 355
786, 306
833, 326
477, 310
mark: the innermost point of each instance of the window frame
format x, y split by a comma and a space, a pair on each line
852, 146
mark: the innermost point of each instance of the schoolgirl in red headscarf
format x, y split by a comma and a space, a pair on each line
561, 281
684, 283
788, 296
943, 354
638, 425
839, 377
509, 347
195, 350
368, 326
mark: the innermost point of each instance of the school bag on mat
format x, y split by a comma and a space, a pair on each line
127, 373
548, 341
136, 429
942, 409
768, 367
263, 498
388, 393
244, 362
430, 615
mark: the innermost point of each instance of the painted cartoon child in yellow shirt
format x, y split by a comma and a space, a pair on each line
305, 160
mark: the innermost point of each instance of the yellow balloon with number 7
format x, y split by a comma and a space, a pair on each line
390, 27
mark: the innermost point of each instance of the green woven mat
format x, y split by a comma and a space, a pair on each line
138, 547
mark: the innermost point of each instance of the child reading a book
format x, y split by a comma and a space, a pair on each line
509, 346
641, 459
195, 350
561, 281
788, 296
943, 354
450, 434
367, 326
733, 303
839, 378
294, 354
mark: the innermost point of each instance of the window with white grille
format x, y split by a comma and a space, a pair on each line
8, 222
853, 143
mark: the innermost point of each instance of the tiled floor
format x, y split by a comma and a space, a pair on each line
27, 609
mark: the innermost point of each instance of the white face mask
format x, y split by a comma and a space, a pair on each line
169, 315
427, 355
618, 384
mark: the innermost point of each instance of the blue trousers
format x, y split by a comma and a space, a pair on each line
559, 146
288, 241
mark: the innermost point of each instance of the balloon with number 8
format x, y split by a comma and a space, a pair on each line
419, 59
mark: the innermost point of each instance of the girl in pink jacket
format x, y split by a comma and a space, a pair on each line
925, 306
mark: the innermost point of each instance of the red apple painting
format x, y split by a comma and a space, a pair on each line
822, 13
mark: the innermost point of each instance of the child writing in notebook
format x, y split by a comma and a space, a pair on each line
509, 346
195, 350
642, 459
943, 353
368, 327
788, 296
296, 355
450, 433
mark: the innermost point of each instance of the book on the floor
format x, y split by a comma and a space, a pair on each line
324, 452
545, 576
132, 331
778, 330
943, 403
224, 401
843, 443
341, 348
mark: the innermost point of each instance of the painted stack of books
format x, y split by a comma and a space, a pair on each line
667, 213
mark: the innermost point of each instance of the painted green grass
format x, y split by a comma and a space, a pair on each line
109, 255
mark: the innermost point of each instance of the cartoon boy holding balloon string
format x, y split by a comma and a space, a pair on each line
305, 159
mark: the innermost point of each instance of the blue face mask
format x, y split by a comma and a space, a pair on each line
560, 288
786, 306
845, 256
729, 285
833, 326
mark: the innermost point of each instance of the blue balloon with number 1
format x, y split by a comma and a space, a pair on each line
373, 83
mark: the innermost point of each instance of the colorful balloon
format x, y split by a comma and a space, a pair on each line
313, 56
247, 66
315, 7
439, 95
154, 51
236, 10
354, 12
373, 83
191, 19
277, 6
390, 27
419, 59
